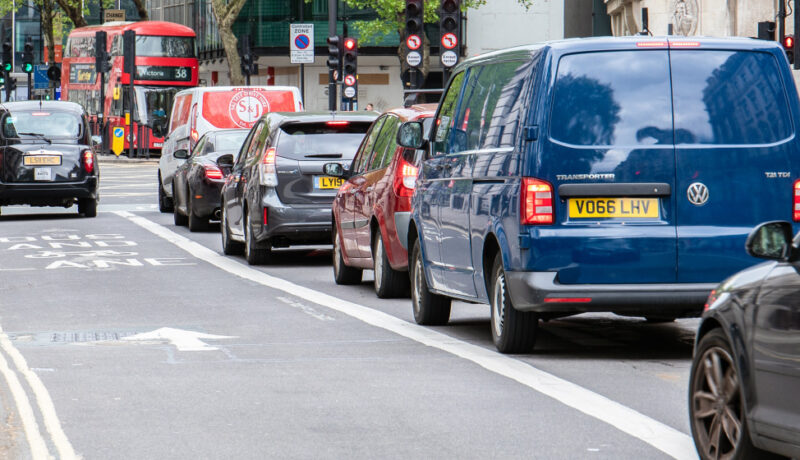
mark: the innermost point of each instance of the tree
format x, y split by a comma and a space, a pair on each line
391, 18
226, 12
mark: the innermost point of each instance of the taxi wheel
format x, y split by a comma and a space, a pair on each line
196, 223
513, 331
429, 309
388, 281
164, 202
229, 247
342, 274
252, 253
87, 207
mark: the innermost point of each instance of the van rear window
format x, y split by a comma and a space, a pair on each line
241, 108
728, 97
619, 98
309, 141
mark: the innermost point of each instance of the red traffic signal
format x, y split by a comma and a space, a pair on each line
788, 42
349, 43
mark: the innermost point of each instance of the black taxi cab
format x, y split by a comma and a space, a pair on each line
47, 156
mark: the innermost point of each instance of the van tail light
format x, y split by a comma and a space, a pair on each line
337, 123
88, 161
405, 178
536, 202
213, 172
267, 173
796, 201
194, 135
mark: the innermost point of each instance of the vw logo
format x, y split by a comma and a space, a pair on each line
697, 194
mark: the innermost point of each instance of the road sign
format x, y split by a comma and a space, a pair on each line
40, 79
113, 15
350, 80
414, 58
413, 42
118, 140
301, 43
349, 91
449, 58
449, 40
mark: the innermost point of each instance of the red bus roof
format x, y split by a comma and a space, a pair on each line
140, 27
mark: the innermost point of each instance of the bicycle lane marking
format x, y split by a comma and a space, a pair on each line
672, 442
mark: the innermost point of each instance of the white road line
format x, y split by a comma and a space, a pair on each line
34, 437
663, 437
43, 400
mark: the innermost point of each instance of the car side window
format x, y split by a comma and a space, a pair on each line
365, 153
388, 133
240, 158
257, 143
445, 119
198, 149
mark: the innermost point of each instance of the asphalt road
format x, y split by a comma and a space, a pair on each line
125, 337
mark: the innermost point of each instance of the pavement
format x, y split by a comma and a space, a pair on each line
111, 158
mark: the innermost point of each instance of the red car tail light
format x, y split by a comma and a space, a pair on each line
88, 161
536, 202
213, 172
267, 173
405, 178
796, 201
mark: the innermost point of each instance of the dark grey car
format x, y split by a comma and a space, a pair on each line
277, 194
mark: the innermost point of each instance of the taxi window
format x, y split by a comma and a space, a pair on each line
42, 124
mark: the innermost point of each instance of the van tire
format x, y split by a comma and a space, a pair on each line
164, 202
229, 247
252, 253
196, 223
343, 274
388, 281
429, 309
513, 331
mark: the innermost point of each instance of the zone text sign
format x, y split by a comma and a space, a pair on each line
301, 43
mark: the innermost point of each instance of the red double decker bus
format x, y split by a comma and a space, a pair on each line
166, 62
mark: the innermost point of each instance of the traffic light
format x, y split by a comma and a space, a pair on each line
450, 31
2, 78
788, 46
129, 53
101, 64
7, 65
335, 56
27, 56
414, 17
246, 54
350, 67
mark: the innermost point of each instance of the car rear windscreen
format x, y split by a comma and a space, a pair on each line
43, 123
333, 139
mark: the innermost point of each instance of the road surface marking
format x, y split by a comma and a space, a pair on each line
43, 400
661, 436
182, 339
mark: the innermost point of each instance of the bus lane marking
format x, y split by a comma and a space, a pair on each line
663, 437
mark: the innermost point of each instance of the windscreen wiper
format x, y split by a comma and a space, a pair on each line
39, 135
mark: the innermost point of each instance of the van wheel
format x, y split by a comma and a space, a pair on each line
513, 331
87, 207
343, 274
252, 253
196, 224
716, 406
164, 202
429, 309
388, 281
229, 247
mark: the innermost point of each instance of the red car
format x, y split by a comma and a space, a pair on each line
373, 207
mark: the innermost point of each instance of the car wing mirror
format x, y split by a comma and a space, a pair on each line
181, 154
411, 135
335, 170
771, 240
225, 162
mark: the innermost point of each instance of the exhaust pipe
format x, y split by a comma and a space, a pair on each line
217, 214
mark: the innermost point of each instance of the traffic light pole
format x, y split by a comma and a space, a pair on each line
332, 17
30, 87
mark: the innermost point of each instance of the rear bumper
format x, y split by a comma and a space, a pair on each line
42, 193
296, 224
539, 292
210, 202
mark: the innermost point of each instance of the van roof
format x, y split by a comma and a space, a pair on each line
627, 42
216, 89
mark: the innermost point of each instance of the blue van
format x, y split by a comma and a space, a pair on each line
608, 174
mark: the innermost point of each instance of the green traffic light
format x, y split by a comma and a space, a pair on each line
27, 67
7, 66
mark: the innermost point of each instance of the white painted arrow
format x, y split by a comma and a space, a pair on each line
183, 340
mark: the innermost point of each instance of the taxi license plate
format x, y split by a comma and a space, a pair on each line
158, 144
327, 182
42, 174
41, 160
632, 208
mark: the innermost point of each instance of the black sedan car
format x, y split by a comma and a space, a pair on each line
198, 180
47, 156
277, 194
745, 378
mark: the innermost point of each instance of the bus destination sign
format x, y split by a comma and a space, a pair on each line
162, 73
82, 73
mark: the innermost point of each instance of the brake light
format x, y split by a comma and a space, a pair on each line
266, 210
711, 299
651, 44
568, 300
268, 176
337, 123
684, 44
796, 201
536, 202
194, 135
405, 178
88, 161
213, 172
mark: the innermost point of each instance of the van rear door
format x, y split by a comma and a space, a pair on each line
736, 154
610, 159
